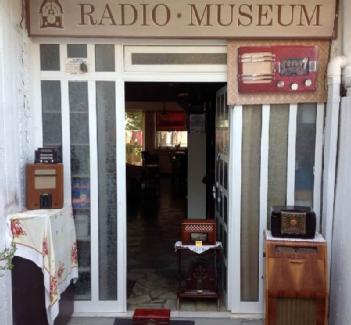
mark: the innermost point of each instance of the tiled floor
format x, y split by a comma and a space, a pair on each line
153, 228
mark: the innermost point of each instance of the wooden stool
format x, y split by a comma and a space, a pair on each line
143, 316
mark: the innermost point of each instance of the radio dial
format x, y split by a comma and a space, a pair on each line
294, 87
280, 84
308, 82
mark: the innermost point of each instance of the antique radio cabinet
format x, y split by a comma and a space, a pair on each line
198, 230
44, 186
296, 290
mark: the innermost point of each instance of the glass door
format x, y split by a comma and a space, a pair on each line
79, 97
221, 188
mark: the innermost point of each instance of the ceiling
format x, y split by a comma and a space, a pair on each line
184, 93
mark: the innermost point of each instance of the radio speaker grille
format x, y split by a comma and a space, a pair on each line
294, 311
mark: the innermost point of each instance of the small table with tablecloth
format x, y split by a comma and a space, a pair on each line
202, 280
48, 239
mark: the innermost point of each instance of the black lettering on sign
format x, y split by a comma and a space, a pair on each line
265, 15
86, 11
220, 15
245, 15
307, 20
107, 14
196, 20
126, 9
156, 15
287, 22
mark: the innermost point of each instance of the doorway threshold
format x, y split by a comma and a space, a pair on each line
200, 318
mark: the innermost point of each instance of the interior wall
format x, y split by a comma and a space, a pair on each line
150, 131
15, 127
196, 173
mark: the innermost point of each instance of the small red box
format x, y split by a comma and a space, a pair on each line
144, 316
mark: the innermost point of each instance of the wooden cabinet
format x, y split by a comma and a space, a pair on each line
296, 288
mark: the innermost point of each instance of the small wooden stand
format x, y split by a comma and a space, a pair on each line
202, 280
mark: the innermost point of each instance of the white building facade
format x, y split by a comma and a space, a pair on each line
21, 127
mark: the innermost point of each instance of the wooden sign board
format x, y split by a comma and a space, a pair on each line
240, 19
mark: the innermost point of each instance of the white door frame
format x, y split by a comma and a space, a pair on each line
121, 76
94, 307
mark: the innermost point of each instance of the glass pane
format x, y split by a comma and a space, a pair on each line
51, 96
51, 114
104, 57
278, 157
80, 174
250, 202
49, 57
134, 137
106, 134
305, 151
178, 58
77, 50
225, 244
172, 139
79, 160
225, 175
225, 208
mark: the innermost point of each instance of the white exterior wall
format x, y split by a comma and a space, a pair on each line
15, 120
340, 294
196, 172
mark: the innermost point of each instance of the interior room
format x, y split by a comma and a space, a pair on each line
170, 163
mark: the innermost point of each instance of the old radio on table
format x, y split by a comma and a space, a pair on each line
293, 222
47, 156
277, 69
195, 230
44, 186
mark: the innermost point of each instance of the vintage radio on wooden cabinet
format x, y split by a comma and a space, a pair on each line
293, 222
296, 290
198, 230
44, 186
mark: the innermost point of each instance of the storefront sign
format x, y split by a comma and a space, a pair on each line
182, 18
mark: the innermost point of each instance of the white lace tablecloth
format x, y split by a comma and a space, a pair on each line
48, 238
197, 249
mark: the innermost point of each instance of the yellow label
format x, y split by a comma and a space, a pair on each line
198, 243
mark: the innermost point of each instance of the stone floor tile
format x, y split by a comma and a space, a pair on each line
144, 299
171, 304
